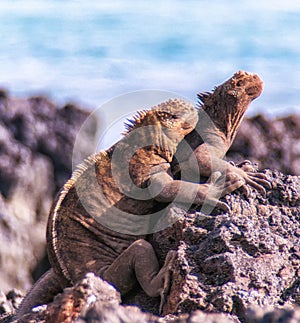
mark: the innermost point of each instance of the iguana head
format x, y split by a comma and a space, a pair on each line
173, 117
227, 104
161, 128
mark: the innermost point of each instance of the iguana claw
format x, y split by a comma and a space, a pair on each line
169, 262
223, 185
249, 172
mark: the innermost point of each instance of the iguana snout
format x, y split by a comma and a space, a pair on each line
249, 83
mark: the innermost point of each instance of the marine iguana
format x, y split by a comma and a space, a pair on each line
97, 221
220, 115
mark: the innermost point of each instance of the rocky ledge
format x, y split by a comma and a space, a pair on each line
230, 267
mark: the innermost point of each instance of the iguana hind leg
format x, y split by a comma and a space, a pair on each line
42, 292
139, 263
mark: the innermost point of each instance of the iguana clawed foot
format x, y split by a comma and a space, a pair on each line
249, 172
168, 266
237, 176
220, 185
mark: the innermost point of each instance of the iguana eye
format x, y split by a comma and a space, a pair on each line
164, 115
240, 83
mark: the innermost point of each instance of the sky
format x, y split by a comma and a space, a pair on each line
92, 52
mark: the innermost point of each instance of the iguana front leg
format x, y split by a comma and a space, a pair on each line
165, 189
207, 159
252, 177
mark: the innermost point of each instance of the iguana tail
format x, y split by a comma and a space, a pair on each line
42, 292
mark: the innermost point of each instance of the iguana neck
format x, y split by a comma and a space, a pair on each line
226, 116
156, 138
141, 150
168, 144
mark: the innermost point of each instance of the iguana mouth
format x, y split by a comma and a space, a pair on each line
190, 122
187, 125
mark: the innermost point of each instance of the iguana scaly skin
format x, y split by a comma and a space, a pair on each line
96, 222
220, 115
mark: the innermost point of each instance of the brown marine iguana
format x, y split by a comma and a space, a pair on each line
100, 218
220, 115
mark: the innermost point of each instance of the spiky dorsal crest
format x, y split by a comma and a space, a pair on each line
202, 97
90, 161
78, 172
158, 114
137, 120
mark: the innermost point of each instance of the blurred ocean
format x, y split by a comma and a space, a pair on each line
91, 51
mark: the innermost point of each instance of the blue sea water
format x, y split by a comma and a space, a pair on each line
91, 51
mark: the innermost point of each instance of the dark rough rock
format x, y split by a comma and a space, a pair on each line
271, 315
9, 303
90, 300
94, 300
227, 262
274, 144
36, 145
